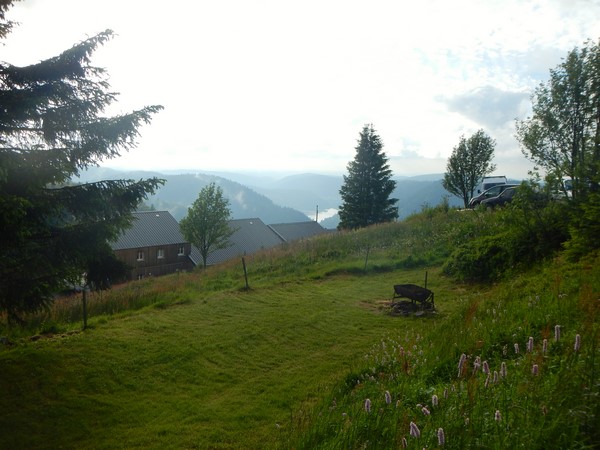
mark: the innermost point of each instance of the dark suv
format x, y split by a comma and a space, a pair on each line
500, 200
490, 193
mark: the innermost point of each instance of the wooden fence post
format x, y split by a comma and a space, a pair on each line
84, 301
245, 273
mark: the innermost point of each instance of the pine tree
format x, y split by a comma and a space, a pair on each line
52, 128
367, 187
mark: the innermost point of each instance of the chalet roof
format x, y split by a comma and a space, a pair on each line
298, 230
250, 236
150, 228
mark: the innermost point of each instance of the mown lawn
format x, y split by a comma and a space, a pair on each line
227, 369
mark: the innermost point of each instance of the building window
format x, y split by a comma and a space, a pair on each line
140, 255
181, 250
160, 253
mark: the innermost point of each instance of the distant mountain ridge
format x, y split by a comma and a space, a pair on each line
180, 191
287, 199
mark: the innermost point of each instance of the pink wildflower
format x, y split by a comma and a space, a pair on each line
495, 379
516, 347
388, 397
485, 367
577, 343
530, 344
497, 416
404, 443
414, 430
425, 411
434, 400
476, 364
557, 333
368, 405
487, 380
535, 370
503, 369
544, 346
461, 363
441, 437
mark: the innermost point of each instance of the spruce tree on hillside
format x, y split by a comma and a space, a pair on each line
52, 128
367, 187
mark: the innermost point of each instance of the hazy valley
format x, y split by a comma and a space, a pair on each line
277, 199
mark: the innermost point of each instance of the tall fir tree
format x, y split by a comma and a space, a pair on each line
51, 128
367, 187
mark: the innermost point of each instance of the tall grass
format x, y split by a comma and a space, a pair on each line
514, 368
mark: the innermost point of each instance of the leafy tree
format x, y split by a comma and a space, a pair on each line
563, 134
563, 137
470, 161
207, 222
52, 128
367, 187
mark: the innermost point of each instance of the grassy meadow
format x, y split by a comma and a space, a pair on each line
309, 357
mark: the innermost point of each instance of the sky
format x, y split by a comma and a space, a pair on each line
286, 86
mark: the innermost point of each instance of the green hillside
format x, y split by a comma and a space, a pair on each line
197, 361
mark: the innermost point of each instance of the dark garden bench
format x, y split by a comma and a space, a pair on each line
415, 294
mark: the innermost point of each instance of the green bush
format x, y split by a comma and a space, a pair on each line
585, 227
530, 229
482, 259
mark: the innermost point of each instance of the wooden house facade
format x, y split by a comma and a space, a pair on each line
153, 246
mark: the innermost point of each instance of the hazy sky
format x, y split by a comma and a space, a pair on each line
287, 85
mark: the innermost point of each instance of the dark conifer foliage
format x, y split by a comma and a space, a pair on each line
51, 128
367, 187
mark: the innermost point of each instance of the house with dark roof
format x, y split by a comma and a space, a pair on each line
153, 245
249, 236
298, 230
252, 235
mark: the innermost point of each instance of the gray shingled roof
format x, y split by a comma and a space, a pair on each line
298, 230
150, 228
251, 235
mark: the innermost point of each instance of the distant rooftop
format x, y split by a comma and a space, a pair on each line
298, 230
150, 228
250, 236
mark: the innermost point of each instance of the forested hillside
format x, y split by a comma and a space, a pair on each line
278, 200
180, 191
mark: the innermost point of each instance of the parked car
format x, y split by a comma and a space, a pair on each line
491, 192
505, 197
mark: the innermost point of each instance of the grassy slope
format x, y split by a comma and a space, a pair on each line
212, 366
555, 405
219, 371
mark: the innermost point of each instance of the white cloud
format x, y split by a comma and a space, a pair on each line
270, 84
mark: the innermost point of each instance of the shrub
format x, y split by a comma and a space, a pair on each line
530, 229
482, 259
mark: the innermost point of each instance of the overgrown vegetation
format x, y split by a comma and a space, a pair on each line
516, 367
